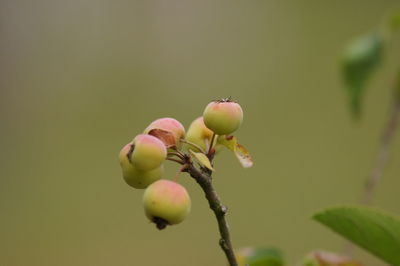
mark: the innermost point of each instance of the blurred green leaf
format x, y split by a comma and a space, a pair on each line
260, 257
202, 159
360, 60
394, 20
241, 153
397, 87
371, 229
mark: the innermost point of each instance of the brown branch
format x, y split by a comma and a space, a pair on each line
383, 154
203, 178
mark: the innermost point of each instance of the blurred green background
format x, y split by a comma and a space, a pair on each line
79, 79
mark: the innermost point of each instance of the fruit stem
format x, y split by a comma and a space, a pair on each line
193, 145
211, 145
203, 178
175, 160
181, 169
177, 154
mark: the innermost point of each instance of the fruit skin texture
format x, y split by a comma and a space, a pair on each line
148, 152
223, 117
166, 203
134, 177
168, 124
198, 133
142, 179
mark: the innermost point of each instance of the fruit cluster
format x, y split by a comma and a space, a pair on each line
167, 202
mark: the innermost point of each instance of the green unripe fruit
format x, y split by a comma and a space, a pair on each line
147, 152
198, 134
170, 125
134, 177
223, 117
142, 179
166, 203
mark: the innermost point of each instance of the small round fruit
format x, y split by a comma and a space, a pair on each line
147, 153
168, 124
198, 134
142, 179
166, 203
223, 117
123, 156
134, 177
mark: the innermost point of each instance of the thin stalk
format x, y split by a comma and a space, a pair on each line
175, 160
381, 160
193, 145
383, 154
177, 154
181, 169
203, 178
211, 145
